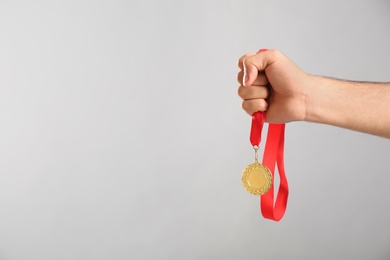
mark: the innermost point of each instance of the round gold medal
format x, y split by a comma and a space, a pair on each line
257, 179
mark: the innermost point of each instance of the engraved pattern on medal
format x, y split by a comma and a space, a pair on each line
266, 174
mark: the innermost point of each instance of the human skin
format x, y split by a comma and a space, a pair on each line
271, 82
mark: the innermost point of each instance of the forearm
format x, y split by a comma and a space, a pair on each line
359, 106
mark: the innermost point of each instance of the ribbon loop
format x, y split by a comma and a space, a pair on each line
274, 156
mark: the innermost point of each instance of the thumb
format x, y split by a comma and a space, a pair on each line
255, 63
250, 73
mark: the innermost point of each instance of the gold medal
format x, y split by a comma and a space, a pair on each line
256, 178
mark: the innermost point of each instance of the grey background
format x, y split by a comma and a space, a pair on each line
122, 137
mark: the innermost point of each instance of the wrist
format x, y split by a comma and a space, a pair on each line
317, 99
327, 101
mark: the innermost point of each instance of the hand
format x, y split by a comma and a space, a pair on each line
270, 82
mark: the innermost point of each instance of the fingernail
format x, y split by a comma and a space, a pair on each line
245, 79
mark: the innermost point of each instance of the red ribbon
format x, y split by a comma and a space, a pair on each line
273, 155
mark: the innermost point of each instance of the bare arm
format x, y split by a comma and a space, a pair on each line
270, 82
360, 106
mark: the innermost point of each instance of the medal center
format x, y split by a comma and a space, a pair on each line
256, 179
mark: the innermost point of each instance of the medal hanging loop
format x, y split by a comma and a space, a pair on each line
256, 148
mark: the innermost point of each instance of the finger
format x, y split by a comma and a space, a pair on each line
261, 79
253, 92
254, 105
255, 63
250, 73
239, 63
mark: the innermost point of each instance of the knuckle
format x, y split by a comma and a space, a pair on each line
240, 91
263, 105
239, 63
275, 53
239, 77
247, 105
251, 106
244, 105
247, 60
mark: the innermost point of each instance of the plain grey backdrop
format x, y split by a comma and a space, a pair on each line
122, 136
